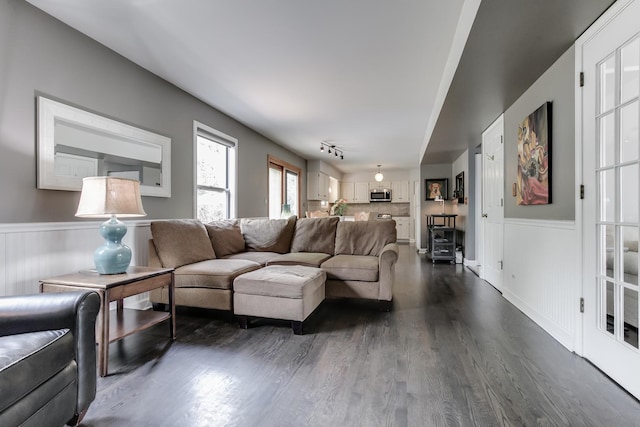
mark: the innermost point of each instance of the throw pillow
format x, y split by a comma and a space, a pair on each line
226, 237
268, 235
181, 241
315, 235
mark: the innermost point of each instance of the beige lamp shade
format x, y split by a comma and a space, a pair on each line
104, 196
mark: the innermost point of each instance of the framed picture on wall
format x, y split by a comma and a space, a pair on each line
436, 188
533, 181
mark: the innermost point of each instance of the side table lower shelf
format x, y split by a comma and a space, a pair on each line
130, 321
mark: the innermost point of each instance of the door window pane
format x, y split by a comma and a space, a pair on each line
292, 191
629, 132
275, 192
631, 316
607, 195
606, 141
610, 313
607, 84
607, 250
629, 193
630, 78
629, 251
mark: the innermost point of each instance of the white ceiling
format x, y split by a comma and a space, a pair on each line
369, 76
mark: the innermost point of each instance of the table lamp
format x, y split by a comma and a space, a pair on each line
440, 199
106, 197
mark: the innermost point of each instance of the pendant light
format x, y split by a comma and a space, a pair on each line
379, 177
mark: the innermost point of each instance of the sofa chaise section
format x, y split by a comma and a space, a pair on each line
201, 279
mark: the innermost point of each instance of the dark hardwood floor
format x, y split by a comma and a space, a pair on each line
452, 352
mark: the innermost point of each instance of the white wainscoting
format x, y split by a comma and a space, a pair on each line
541, 274
30, 252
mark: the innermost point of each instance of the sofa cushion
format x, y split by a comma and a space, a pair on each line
226, 237
213, 273
181, 241
261, 258
315, 235
268, 235
309, 259
364, 237
280, 281
29, 360
352, 267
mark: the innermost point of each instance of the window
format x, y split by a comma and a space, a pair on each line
215, 174
284, 187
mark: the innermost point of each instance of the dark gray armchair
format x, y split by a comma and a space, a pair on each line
47, 358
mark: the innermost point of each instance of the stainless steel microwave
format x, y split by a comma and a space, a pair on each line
380, 195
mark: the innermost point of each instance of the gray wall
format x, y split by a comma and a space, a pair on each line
557, 85
441, 170
41, 56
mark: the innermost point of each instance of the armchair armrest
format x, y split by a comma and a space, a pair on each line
76, 311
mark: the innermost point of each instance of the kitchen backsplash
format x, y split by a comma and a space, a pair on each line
395, 209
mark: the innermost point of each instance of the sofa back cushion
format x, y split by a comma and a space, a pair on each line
268, 235
181, 241
226, 237
364, 237
315, 235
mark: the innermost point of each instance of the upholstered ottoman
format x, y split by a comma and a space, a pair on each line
288, 292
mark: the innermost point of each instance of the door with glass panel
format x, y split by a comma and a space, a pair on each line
284, 188
611, 221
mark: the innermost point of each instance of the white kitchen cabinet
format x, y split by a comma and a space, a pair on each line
402, 227
347, 191
355, 192
361, 192
400, 192
382, 184
317, 186
334, 190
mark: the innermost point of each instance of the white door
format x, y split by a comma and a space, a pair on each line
610, 54
492, 202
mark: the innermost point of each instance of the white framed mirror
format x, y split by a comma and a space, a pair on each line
73, 144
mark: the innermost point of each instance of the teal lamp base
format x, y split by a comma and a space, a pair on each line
113, 257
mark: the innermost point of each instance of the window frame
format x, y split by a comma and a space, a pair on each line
202, 130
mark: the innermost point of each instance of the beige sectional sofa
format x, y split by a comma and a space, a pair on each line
358, 257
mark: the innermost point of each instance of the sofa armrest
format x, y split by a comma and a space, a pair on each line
154, 259
76, 311
386, 270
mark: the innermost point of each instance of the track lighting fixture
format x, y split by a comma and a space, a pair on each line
332, 149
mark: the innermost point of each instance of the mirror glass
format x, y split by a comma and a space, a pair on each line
73, 144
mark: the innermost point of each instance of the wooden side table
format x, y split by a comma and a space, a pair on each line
115, 287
